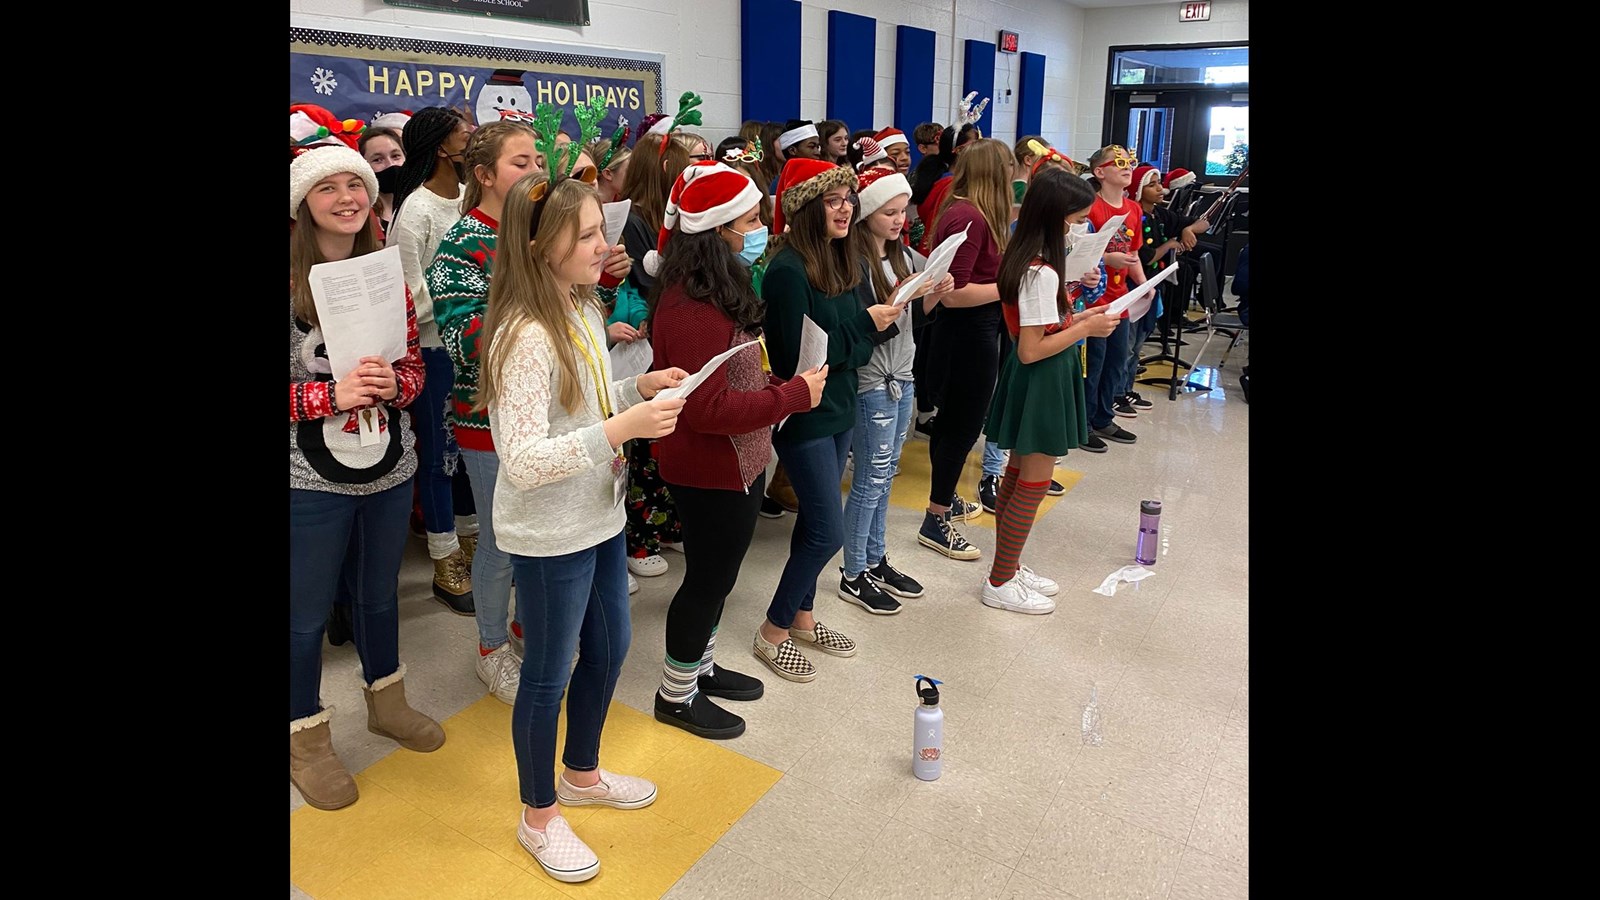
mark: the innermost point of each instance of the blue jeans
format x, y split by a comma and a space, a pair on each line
1107, 364
436, 445
577, 602
994, 459
815, 467
1139, 332
354, 543
491, 567
880, 432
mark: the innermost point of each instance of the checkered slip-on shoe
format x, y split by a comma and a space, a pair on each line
826, 639
785, 659
560, 852
613, 790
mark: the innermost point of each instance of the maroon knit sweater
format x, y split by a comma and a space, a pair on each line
724, 436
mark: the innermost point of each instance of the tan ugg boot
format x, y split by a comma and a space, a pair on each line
389, 715
314, 769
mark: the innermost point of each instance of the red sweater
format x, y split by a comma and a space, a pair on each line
724, 436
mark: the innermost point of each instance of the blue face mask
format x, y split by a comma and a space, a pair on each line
755, 244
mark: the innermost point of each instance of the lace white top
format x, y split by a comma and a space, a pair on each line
553, 495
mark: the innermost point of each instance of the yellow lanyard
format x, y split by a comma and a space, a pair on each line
595, 369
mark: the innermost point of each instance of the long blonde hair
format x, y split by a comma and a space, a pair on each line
982, 177
522, 292
484, 149
305, 252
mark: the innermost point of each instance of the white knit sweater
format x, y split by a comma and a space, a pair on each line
417, 231
554, 492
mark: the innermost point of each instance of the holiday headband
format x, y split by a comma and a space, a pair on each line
966, 114
617, 139
547, 122
686, 115
1045, 154
732, 154
308, 132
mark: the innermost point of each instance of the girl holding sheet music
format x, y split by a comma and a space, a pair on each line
716, 459
350, 467
815, 276
560, 423
966, 332
1038, 408
885, 399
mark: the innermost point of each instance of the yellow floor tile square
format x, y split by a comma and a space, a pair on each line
433, 862
470, 759
530, 886
490, 714
326, 848
910, 487
706, 788
633, 741
489, 817
641, 855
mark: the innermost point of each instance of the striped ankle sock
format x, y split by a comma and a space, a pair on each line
707, 668
1011, 532
679, 681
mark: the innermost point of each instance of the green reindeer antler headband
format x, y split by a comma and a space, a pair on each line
618, 137
687, 115
548, 121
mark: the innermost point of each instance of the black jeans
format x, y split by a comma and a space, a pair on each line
966, 346
717, 528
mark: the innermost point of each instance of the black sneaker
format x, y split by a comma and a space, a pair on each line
730, 685
700, 717
864, 592
1094, 444
1056, 488
895, 581
1123, 407
1117, 433
1138, 402
962, 511
988, 493
1141, 370
771, 509
938, 534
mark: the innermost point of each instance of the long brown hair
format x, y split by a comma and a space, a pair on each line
772, 157
831, 266
649, 181
865, 244
982, 177
305, 252
1054, 194
522, 292
483, 149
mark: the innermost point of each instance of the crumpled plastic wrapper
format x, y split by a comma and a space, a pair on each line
1126, 573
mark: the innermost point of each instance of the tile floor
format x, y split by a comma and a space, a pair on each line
1024, 810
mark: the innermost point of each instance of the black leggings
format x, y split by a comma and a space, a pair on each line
966, 345
923, 374
717, 528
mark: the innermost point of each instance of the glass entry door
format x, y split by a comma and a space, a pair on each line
1206, 131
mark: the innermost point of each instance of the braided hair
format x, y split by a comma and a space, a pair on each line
423, 136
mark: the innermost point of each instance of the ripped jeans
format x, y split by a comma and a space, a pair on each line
881, 424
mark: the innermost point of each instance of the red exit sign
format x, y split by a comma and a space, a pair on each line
1008, 42
1199, 11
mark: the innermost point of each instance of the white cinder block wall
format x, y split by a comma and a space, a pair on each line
700, 40
1121, 26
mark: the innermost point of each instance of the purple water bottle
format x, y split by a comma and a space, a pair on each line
1149, 532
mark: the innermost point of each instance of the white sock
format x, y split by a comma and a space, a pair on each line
467, 526
707, 667
442, 545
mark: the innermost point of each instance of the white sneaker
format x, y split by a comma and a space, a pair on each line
560, 852
633, 586
1015, 596
501, 671
1038, 583
649, 567
613, 790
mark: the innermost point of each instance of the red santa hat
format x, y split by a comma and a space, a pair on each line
1141, 176
871, 152
706, 195
1177, 178
889, 137
347, 131
803, 180
877, 187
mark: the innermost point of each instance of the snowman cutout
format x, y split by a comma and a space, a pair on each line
503, 93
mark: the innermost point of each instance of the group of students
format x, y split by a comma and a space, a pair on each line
575, 476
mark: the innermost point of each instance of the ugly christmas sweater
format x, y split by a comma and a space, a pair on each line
458, 281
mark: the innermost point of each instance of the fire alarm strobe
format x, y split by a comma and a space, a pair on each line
1008, 42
